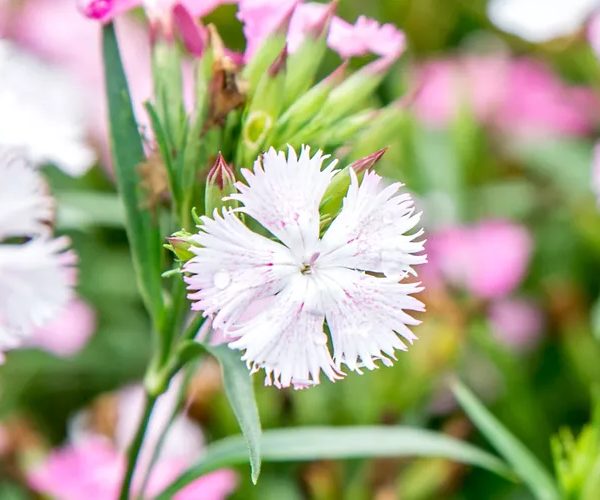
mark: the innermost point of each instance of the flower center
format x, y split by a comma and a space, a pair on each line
307, 267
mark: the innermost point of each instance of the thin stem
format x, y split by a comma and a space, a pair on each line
136, 446
165, 430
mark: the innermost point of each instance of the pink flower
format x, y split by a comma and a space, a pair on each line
517, 323
92, 466
517, 96
89, 469
444, 85
68, 333
261, 18
489, 259
105, 10
537, 102
366, 36
593, 33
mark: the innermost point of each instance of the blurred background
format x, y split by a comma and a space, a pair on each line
498, 112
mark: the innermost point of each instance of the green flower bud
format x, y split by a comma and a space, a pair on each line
168, 89
305, 61
306, 107
219, 184
267, 53
334, 196
180, 243
352, 93
263, 111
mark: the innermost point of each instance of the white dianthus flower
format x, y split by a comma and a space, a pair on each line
36, 272
273, 295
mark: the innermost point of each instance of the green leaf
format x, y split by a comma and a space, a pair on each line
329, 443
524, 463
240, 393
86, 209
127, 154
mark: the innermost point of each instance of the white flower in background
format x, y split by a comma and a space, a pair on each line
26, 206
272, 295
42, 111
37, 274
540, 20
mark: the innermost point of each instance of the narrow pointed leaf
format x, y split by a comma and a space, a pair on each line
127, 154
330, 443
525, 464
240, 393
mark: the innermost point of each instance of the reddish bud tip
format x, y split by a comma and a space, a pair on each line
322, 24
338, 74
368, 161
284, 25
221, 174
279, 63
194, 35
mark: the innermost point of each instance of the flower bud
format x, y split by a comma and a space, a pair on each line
168, 88
333, 197
351, 94
268, 52
263, 110
305, 61
180, 243
219, 184
304, 109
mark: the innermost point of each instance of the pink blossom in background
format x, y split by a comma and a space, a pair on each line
538, 102
260, 18
105, 10
92, 466
365, 36
516, 322
593, 33
447, 84
68, 333
488, 259
518, 96
89, 469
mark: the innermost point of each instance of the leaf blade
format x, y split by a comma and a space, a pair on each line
524, 463
314, 443
128, 153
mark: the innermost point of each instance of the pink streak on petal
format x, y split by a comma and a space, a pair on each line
517, 323
69, 332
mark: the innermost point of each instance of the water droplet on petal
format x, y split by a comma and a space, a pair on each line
221, 279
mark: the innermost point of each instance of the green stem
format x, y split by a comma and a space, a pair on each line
135, 447
165, 430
